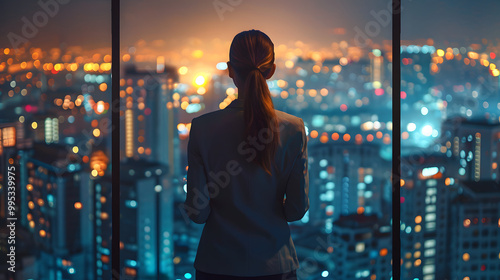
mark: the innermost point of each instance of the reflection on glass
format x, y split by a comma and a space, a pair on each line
450, 144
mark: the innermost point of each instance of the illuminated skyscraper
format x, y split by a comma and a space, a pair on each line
345, 178
427, 188
53, 198
376, 68
475, 232
147, 223
149, 129
97, 212
362, 248
475, 145
149, 143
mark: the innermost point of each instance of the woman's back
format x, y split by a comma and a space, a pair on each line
246, 231
242, 161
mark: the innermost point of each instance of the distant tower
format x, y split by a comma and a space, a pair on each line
376, 68
475, 145
345, 178
149, 127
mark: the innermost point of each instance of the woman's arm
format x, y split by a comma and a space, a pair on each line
197, 204
296, 203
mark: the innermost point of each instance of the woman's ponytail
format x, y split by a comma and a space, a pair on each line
260, 118
252, 58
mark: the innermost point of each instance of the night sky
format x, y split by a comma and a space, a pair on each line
87, 22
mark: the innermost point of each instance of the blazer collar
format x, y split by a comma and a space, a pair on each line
237, 103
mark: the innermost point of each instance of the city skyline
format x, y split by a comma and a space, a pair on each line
55, 130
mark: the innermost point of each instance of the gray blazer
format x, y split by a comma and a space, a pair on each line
246, 231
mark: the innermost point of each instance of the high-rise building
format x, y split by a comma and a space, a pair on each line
345, 178
475, 145
475, 232
53, 198
149, 143
147, 224
14, 146
427, 187
362, 248
149, 129
96, 211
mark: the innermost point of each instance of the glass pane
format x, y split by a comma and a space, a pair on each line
55, 92
450, 141
333, 71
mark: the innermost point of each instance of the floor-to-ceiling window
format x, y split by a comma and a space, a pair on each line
55, 92
450, 203
334, 67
